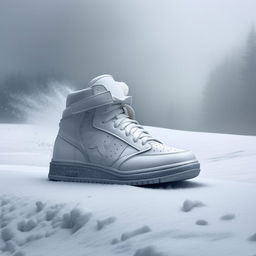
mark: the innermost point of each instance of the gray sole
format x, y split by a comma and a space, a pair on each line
87, 173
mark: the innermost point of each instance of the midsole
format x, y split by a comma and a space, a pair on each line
91, 171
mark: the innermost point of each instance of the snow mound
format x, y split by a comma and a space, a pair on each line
50, 214
39, 206
136, 232
74, 220
188, 205
53, 211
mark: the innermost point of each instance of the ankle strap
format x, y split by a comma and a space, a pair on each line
93, 102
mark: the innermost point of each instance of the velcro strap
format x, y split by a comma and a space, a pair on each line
94, 101
89, 103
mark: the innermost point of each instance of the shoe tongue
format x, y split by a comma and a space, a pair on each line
118, 90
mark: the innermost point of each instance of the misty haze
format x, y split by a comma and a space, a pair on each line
79, 176
190, 65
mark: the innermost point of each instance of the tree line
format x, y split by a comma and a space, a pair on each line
229, 104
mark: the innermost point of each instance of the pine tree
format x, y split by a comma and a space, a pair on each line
250, 58
230, 96
249, 75
222, 96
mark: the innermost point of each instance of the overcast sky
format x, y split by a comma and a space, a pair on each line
163, 49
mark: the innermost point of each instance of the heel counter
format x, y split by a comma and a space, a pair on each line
65, 151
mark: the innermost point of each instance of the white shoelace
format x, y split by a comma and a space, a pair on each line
124, 122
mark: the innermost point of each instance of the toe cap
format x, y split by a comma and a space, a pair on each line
149, 160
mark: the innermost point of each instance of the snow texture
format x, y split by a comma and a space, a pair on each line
39, 217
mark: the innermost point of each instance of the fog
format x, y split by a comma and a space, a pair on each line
164, 50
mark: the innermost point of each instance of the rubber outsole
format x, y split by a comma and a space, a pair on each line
94, 174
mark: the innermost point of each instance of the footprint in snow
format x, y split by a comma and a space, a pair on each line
4, 201
188, 205
229, 216
148, 251
114, 241
19, 253
7, 234
202, 222
12, 208
26, 225
9, 247
252, 238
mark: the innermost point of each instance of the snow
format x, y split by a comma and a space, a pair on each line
39, 217
188, 205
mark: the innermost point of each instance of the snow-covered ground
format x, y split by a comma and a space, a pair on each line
214, 214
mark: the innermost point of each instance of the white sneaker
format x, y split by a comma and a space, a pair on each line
99, 141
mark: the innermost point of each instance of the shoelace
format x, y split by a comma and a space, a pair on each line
132, 127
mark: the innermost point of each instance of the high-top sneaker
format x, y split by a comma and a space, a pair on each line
99, 141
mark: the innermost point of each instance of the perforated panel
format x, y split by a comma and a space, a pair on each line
101, 147
161, 148
113, 148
